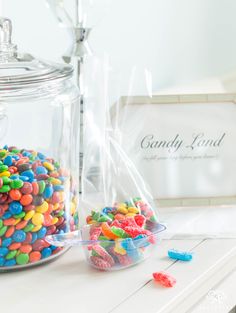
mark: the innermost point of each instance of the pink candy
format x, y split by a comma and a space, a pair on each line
164, 279
100, 263
104, 254
140, 220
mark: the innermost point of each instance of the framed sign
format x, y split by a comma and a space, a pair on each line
184, 146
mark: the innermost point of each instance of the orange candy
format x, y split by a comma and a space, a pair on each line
15, 194
14, 246
35, 256
9, 222
10, 232
35, 188
26, 248
107, 231
26, 199
21, 225
47, 220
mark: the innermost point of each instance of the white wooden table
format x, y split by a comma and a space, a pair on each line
70, 285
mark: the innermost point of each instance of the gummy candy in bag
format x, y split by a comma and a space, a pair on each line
120, 225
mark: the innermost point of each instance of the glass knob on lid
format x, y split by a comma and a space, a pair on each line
6, 46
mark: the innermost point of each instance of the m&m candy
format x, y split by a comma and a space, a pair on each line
32, 205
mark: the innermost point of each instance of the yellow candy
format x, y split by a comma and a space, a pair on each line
29, 215
119, 249
54, 220
6, 173
122, 210
55, 206
130, 214
17, 221
62, 196
55, 181
133, 210
48, 166
42, 208
36, 228
72, 208
37, 219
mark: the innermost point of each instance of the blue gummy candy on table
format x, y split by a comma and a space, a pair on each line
180, 255
46, 252
19, 236
11, 262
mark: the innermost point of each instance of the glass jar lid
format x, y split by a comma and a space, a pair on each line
18, 70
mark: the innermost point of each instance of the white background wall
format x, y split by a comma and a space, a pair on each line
178, 41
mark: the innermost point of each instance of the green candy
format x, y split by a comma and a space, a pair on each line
111, 216
16, 183
42, 186
5, 188
60, 213
3, 168
2, 154
153, 218
22, 259
137, 199
104, 218
6, 180
15, 151
119, 232
21, 215
94, 253
1, 223
28, 228
57, 164
11, 255
3, 230
95, 216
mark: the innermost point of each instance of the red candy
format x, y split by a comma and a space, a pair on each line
104, 254
100, 263
95, 232
27, 188
140, 220
164, 279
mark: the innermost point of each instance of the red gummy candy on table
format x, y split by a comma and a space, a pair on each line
164, 279
140, 220
100, 263
104, 254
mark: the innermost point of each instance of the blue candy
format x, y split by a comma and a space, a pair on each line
46, 252
130, 248
6, 215
41, 156
180, 255
3, 251
34, 237
58, 187
2, 261
29, 174
15, 176
8, 161
42, 233
26, 154
24, 178
6, 242
15, 207
41, 170
11, 262
16, 157
19, 236
141, 241
48, 191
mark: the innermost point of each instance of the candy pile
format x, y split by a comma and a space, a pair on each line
123, 232
33, 189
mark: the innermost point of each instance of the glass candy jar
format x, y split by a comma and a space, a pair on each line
39, 149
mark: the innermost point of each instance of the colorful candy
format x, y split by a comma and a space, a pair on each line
122, 234
32, 205
164, 279
180, 255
